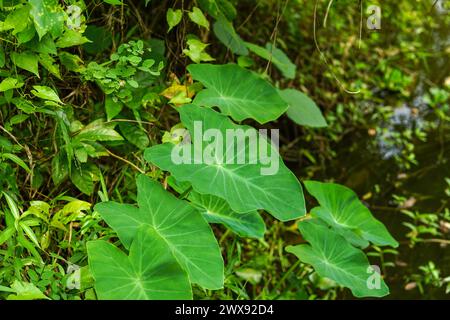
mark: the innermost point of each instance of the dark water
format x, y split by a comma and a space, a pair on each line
361, 165
363, 162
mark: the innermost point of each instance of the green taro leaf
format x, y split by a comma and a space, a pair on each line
276, 56
182, 227
241, 183
48, 16
27, 61
238, 92
150, 272
224, 31
344, 212
302, 110
217, 210
334, 258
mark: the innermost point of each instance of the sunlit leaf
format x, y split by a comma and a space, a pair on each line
242, 185
217, 210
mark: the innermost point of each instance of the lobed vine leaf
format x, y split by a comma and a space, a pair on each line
302, 110
217, 210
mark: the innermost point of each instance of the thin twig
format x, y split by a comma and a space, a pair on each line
126, 161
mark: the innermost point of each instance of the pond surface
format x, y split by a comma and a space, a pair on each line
362, 164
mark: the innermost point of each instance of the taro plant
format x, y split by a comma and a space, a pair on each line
188, 181
230, 193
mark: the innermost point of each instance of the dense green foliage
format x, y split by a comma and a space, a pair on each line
98, 96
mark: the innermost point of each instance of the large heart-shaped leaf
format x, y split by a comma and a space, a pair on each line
150, 272
342, 210
238, 92
224, 31
216, 210
48, 16
334, 258
302, 110
185, 231
242, 185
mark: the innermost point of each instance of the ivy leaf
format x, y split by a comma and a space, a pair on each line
112, 107
173, 18
17, 19
10, 83
182, 227
276, 56
198, 18
150, 272
224, 31
48, 16
334, 258
342, 210
45, 93
26, 60
217, 210
237, 92
302, 110
243, 186
71, 38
